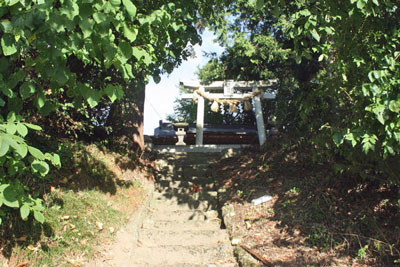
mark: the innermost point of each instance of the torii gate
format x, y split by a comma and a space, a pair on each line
227, 87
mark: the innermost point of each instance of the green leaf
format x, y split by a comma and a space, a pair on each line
366, 147
360, 4
87, 27
22, 150
35, 152
56, 161
61, 75
140, 53
394, 106
4, 147
17, 143
6, 26
156, 78
22, 130
99, 17
7, 92
113, 92
11, 128
38, 205
33, 126
128, 69
338, 138
130, 34
368, 142
40, 166
315, 34
350, 137
11, 117
12, 2
38, 216
8, 45
126, 49
26, 90
40, 101
378, 110
70, 9
24, 211
115, 2
305, 12
10, 196
130, 7
92, 97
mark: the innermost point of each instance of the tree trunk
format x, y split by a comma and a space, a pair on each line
127, 118
138, 115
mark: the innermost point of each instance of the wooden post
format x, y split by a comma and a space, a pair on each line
259, 118
200, 119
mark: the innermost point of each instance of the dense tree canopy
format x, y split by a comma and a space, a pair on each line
337, 65
68, 65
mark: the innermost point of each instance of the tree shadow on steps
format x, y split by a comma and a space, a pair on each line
186, 179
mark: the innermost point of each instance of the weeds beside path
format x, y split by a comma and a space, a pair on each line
88, 201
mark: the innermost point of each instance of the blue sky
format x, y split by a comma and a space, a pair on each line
160, 97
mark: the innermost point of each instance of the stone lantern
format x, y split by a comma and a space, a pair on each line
180, 130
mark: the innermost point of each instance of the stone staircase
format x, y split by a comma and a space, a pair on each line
183, 227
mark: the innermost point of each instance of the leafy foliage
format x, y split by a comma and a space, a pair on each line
357, 45
338, 78
62, 63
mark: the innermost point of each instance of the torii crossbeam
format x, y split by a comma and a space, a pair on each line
226, 90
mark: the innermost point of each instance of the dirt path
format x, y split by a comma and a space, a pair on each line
182, 226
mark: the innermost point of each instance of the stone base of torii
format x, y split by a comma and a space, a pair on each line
225, 90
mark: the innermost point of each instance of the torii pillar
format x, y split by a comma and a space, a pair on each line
259, 118
228, 88
200, 119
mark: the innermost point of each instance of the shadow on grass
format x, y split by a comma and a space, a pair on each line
313, 207
23, 234
85, 168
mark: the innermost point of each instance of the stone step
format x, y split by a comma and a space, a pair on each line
200, 162
193, 156
168, 225
175, 255
194, 165
179, 204
189, 171
203, 195
169, 170
182, 191
184, 215
203, 183
189, 178
177, 237
192, 200
183, 171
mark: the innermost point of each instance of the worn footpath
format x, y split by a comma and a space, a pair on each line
183, 227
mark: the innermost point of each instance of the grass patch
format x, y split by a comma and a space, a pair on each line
87, 201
